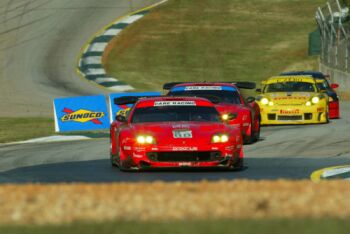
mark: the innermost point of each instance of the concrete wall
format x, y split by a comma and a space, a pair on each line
340, 77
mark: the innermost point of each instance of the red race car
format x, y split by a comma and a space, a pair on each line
162, 132
228, 101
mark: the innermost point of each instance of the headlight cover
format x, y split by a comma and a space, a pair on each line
220, 138
315, 100
264, 101
145, 139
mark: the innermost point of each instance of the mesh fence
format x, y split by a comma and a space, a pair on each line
334, 25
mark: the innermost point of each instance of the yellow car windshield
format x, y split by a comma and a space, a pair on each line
290, 87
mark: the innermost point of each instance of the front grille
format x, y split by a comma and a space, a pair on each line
271, 116
184, 156
290, 117
308, 116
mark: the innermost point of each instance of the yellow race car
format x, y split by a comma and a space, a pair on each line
292, 100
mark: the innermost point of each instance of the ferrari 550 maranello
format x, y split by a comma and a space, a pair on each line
227, 99
170, 132
292, 100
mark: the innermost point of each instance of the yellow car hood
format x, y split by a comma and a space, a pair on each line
292, 98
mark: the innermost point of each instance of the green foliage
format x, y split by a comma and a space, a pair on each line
17, 129
198, 40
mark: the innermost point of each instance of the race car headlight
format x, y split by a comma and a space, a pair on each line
264, 101
270, 103
315, 100
220, 138
145, 139
229, 116
308, 103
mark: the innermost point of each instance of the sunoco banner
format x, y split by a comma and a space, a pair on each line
81, 113
122, 109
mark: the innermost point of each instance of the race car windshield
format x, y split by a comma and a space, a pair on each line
175, 113
290, 87
215, 96
324, 85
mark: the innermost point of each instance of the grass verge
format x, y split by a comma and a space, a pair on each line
18, 129
197, 40
285, 226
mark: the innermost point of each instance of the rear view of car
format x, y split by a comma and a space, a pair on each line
169, 132
292, 100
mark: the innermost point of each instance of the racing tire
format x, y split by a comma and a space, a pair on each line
256, 134
113, 161
238, 165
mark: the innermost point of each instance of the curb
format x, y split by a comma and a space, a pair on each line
337, 172
90, 59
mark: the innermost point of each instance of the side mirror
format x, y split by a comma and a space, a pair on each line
250, 99
334, 86
121, 118
258, 90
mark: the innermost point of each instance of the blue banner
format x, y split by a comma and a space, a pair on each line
81, 113
119, 109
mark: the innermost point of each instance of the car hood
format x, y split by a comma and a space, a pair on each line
202, 132
290, 98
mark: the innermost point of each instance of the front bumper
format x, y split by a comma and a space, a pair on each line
143, 157
288, 114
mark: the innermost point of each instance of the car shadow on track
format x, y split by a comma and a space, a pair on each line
100, 171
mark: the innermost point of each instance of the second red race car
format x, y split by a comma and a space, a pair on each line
228, 100
172, 132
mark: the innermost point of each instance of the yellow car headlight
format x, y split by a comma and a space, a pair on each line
271, 103
264, 101
308, 103
315, 100
220, 138
145, 139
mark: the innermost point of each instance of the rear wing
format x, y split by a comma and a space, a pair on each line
129, 99
239, 84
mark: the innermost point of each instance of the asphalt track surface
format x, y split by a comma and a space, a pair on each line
284, 152
39, 44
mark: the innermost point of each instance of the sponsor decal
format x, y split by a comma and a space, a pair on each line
291, 98
123, 111
182, 133
137, 155
185, 148
127, 147
290, 79
84, 113
185, 164
183, 126
289, 112
82, 116
175, 103
188, 88
320, 109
